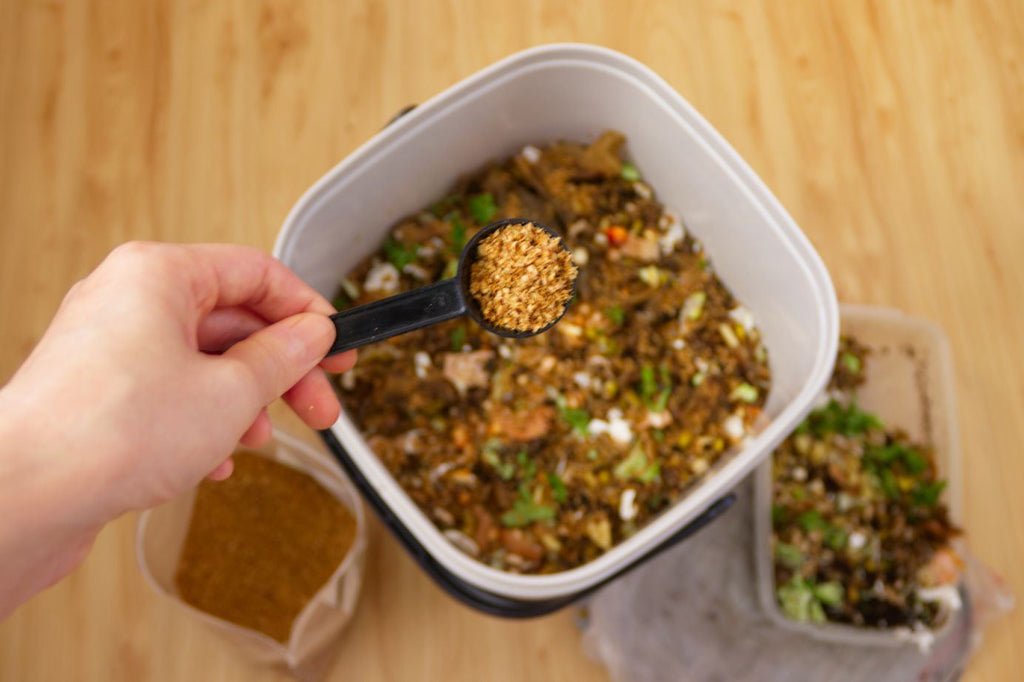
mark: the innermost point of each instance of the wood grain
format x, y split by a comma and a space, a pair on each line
893, 132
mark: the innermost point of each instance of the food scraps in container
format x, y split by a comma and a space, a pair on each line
522, 278
261, 544
538, 455
861, 535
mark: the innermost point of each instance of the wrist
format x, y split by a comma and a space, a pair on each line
46, 524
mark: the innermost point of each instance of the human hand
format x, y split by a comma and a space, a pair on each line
155, 366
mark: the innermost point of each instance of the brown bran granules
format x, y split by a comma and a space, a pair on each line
522, 278
261, 544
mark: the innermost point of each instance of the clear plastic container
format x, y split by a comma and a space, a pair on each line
910, 385
160, 536
574, 92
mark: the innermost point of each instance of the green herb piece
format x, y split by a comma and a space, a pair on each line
829, 594
577, 417
658, 435
558, 490
615, 313
491, 456
799, 602
444, 206
341, 301
458, 234
458, 338
526, 465
629, 172
914, 461
482, 207
525, 511
650, 474
591, 455
887, 481
655, 400
835, 538
811, 521
847, 420
788, 555
886, 454
648, 385
634, 466
451, 268
779, 514
398, 254
851, 362
745, 392
927, 494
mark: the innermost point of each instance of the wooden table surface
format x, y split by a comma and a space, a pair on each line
894, 134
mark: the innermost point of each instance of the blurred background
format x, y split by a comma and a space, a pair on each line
892, 132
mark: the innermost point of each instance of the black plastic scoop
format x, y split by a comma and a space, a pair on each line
444, 300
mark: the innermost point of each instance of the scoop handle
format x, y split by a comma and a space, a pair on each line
406, 312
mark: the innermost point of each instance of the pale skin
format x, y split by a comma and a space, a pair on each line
155, 367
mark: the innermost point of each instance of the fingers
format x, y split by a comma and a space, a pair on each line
273, 359
225, 327
313, 400
259, 432
223, 470
225, 275
342, 362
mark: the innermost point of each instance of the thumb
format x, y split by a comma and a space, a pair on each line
277, 356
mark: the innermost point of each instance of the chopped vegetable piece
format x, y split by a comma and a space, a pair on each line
451, 268
693, 306
811, 521
634, 466
744, 393
482, 207
927, 494
558, 489
848, 420
505, 470
835, 538
350, 288
526, 465
458, 338
616, 235
851, 362
650, 474
788, 554
629, 172
341, 301
577, 418
799, 602
615, 313
399, 254
525, 511
458, 235
829, 594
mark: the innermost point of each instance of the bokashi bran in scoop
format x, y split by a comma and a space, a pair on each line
261, 544
522, 278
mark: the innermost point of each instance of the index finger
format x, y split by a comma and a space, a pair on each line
232, 275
